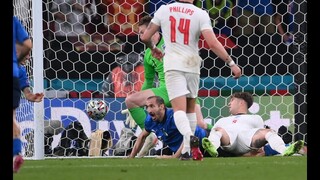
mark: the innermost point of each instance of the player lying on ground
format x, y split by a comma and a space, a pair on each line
241, 132
160, 123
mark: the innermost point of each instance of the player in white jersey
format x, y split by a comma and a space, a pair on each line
243, 133
181, 24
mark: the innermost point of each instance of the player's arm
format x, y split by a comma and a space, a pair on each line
25, 87
37, 97
139, 143
25, 48
175, 155
23, 40
146, 38
148, 33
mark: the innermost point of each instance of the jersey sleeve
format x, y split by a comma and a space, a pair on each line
23, 78
205, 22
157, 15
21, 33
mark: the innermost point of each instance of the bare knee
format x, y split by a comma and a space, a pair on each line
225, 139
16, 130
129, 101
138, 99
133, 101
259, 138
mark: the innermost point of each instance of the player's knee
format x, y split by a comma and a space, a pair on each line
16, 131
260, 137
130, 101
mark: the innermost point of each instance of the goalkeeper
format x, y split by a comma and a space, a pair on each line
153, 69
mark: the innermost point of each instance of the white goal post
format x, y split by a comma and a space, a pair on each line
30, 13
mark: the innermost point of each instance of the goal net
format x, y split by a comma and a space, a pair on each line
86, 42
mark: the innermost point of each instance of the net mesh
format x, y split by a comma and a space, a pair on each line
84, 38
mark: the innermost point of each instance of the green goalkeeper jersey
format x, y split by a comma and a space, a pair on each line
153, 68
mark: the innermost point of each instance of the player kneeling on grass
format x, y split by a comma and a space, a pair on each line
241, 133
160, 122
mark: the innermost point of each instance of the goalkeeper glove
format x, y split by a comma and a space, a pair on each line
129, 120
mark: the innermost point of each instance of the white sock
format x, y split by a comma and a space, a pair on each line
183, 125
193, 121
275, 142
215, 138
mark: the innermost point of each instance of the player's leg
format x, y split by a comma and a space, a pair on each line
192, 81
179, 106
193, 87
17, 145
162, 92
17, 157
275, 142
135, 103
211, 143
177, 91
16, 136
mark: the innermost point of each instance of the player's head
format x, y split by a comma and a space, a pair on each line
142, 26
155, 108
240, 102
143, 23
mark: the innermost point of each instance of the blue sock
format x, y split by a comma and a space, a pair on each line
16, 146
269, 151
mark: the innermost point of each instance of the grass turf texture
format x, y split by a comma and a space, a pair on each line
258, 168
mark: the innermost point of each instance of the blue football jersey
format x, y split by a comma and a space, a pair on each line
168, 132
19, 35
23, 77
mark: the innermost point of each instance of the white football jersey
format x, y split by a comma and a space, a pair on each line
181, 25
240, 122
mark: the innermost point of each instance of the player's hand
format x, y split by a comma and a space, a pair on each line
129, 120
37, 97
157, 53
236, 71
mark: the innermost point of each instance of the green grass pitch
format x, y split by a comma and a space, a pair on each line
240, 168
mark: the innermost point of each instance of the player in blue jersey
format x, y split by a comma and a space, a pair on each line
160, 121
20, 36
24, 80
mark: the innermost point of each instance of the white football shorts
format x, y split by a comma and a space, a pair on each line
240, 143
182, 83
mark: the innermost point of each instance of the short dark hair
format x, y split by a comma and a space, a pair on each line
159, 99
246, 96
145, 20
